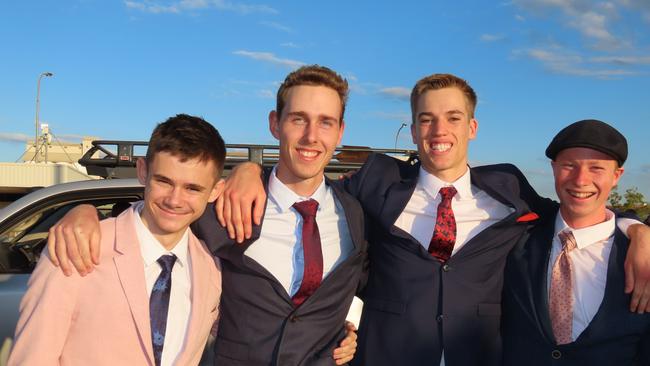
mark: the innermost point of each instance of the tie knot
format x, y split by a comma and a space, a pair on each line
568, 240
167, 261
447, 193
306, 208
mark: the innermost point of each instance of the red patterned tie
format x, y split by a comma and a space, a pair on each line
560, 303
444, 234
313, 272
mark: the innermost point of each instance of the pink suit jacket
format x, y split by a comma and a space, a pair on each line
103, 319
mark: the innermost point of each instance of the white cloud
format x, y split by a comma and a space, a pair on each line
520, 18
289, 45
266, 93
491, 37
622, 60
399, 92
15, 137
403, 117
592, 19
270, 57
176, 7
277, 26
560, 61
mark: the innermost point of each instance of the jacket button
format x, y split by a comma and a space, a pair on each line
293, 319
439, 318
556, 354
446, 268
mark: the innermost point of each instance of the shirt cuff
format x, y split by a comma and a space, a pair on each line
624, 223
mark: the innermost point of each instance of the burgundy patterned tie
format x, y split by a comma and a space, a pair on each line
560, 302
313, 270
444, 234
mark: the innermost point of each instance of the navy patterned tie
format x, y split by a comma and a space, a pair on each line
159, 305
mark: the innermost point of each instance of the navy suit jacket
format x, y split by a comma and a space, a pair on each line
614, 337
258, 323
414, 306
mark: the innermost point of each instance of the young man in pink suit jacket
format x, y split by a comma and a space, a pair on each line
105, 318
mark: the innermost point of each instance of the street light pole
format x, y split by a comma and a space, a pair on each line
36, 121
397, 134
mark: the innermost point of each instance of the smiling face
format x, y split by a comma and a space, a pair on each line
583, 179
442, 129
309, 130
176, 193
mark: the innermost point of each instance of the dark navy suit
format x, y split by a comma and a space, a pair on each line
615, 336
259, 324
414, 306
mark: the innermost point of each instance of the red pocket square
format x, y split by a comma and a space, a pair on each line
531, 216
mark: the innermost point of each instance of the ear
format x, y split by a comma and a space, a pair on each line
274, 124
141, 169
473, 128
617, 175
341, 129
217, 190
414, 133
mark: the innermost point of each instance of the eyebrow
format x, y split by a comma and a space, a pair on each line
306, 116
453, 111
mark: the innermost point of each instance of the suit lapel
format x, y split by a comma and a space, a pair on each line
130, 270
202, 290
614, 290
539, 248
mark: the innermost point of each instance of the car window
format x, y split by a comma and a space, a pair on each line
21, 245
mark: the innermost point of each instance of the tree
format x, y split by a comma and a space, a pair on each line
634, 200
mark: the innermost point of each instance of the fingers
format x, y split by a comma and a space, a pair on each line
641, 298
94, 247
258, 208
235, 206
60, 250
218, 208
227, 211
51, 244
73, 238
345, 352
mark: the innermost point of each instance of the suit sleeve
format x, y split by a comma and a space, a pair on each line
644, 348
208, 229
541, 205
354, 184
46, 313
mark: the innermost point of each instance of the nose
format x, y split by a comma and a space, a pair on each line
581, 176
438, 128
174, 197
310, 133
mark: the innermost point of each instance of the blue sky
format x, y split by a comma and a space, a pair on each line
537, 65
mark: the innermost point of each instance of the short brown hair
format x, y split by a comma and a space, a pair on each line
188, 137
313, 75
441, 81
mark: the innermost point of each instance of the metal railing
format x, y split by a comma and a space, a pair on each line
116, 158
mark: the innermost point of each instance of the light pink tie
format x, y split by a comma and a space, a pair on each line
561, 293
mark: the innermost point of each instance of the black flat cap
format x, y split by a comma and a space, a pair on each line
592, 134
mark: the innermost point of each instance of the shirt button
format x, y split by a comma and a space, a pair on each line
439, 318
446, 268
556, 354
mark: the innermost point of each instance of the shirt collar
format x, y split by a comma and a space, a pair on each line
588, 235
432, 184
284, 197
151, 247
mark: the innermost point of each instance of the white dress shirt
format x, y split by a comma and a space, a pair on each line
279, 247
180, 303
474, 209
589, 263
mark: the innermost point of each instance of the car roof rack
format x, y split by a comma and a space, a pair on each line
116, 158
